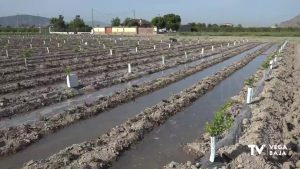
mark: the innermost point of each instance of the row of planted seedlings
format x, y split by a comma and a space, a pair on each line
62, 56
90, 68
227, 125
16, 139
109, 146
46, 96
59, 49
91, 50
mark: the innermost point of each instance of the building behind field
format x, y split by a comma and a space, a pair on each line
120, 30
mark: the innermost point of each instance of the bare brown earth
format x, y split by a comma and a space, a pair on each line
100, 152
275, 120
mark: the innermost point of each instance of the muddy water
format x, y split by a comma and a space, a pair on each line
163, 145
91, 128
91, 97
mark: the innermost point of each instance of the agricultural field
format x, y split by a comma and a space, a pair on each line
91, 101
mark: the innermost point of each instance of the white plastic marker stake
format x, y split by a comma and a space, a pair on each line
212, 149
110, 52
30, 46
6, 52
129, 68
163, 60
212, 48
115, 41
228, 44
202, 51
234, 43
249, 95
136, 49
154, 47
186, 56
44, 42
169, 45
271, 64
58, 45
138, 42
72, 80
48, 50
161, 41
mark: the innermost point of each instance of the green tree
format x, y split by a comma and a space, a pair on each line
131, 22
159, 22
116, 21
172, 21
77, 24
58, 23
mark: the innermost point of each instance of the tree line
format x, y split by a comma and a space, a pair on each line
76, 25
168, 22
202, 27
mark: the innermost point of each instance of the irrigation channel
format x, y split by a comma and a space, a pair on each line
94, 127
90, 97
163, 144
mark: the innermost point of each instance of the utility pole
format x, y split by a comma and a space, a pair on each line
93, 17
133, 14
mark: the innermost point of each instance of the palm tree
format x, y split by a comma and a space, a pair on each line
26, 55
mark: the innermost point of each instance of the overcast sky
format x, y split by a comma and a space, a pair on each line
245, 12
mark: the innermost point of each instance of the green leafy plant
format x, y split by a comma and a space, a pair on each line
250, 81
221, 121
68, 70
26, 55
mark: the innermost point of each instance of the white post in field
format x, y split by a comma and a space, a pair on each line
44, 42
110, 52
271, 64
161, 41
163, 60
129, 68
30, 46
8, 41
154, 47
212, 149
169, 45
186, 56
72, 80
234, 43
58, 45
138, 42
228, 44
115, 41
136, 49
48, 50
249, 95
212, 48
202, 51
6, 52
